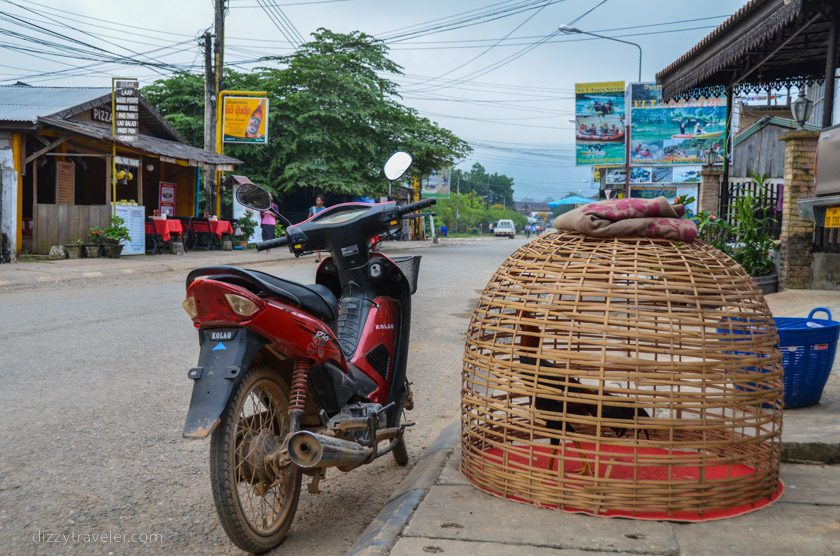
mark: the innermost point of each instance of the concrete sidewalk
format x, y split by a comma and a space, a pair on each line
456, 518
436, 511
32, 274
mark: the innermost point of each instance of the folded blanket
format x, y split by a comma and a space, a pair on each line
630, 217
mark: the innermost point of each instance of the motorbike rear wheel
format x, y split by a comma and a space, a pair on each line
256, 501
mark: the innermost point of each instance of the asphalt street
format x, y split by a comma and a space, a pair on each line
94, 393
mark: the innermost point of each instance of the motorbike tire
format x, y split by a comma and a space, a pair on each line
400, 453
260, 385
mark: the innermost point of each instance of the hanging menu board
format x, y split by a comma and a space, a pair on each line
135, 221
126, 101
65, 183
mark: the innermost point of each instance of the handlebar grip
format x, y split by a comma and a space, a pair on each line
271, 243
411, 207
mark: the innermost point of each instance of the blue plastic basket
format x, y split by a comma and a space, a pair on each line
808, 346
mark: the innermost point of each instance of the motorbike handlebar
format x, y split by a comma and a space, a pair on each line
411, 207
272, 243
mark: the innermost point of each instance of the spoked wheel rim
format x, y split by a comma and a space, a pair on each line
262, 487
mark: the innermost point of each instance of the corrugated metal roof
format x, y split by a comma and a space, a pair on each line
146, 143
22, 103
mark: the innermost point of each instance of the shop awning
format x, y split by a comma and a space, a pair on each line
571, 200
148, 144
768, 42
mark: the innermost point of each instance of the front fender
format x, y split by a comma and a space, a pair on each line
226, 355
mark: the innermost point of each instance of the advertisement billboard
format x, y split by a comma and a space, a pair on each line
675, 132
599, 123
436, 185
245, 120
166, 202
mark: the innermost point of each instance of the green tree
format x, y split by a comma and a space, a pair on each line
180, 98
468, 210
493, 188
334, 118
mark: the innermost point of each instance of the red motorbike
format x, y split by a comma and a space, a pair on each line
293, 379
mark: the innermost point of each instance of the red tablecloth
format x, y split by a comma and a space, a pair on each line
165, 227
220, 227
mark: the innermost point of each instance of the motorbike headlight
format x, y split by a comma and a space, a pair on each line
189, 306
242, 306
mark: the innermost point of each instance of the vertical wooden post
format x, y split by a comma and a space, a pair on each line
109, 163
18, 155
140, 182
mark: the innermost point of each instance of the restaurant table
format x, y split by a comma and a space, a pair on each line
165, 227
204, 231
220, 227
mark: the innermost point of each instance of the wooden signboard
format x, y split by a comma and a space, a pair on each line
65, 183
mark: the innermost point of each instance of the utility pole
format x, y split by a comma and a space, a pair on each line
218, 66
213, 65
209, 121
458, 203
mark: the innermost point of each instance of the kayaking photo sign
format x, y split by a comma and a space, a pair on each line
674, 132
599, 123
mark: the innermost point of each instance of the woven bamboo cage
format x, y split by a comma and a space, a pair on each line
629, 377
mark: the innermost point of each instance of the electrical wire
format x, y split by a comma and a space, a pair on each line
277, 23
493, 67
491, 47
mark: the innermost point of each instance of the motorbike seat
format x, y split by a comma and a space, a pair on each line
315, 298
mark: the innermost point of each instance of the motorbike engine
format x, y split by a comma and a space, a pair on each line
358, 422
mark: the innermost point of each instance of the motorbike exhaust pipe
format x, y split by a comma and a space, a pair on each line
310, 450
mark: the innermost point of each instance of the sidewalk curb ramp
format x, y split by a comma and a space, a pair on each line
385, 529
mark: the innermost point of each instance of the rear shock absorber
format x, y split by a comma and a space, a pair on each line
297, 399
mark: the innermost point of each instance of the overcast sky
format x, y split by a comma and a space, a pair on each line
516, 114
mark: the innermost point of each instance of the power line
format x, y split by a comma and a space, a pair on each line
239, 6
295, 33
491, 47
496, 65
66, 25
460, 23
277, 23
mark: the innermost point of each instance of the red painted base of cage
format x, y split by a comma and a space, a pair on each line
617, 463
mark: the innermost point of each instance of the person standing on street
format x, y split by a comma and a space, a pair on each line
315, 209
268, 222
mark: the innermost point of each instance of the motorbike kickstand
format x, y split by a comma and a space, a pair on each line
312, 487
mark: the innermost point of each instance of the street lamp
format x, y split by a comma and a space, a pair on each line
801, 109
575, 30
711, 157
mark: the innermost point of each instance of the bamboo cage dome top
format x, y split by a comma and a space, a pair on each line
632, 377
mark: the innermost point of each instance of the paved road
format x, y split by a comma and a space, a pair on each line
94, 395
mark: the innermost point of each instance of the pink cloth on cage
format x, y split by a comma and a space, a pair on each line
630, 217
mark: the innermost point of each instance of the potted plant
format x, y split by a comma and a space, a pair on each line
713, 230
753, 245
74, 249
113, 236
92, 247
245, 227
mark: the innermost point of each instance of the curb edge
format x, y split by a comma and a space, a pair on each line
383, 532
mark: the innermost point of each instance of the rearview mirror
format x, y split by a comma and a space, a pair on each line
253, 197
397, 165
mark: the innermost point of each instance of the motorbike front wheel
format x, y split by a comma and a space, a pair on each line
255, 497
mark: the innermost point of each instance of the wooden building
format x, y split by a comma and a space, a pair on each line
60, 145
775, 45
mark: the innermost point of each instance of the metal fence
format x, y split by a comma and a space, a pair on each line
768, 197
